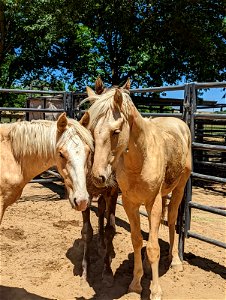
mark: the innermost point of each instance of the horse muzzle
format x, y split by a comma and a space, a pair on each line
100, 181
101, 178
80, 205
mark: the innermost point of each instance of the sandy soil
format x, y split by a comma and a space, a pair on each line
41, 252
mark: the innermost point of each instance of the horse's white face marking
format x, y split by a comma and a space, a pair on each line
72, 157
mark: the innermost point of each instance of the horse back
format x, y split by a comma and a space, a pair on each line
174, 131
177, 143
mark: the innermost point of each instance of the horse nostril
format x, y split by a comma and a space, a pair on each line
102, 178
76, 204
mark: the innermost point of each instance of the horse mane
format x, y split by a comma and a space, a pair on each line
38, 137
101, 104
84, 134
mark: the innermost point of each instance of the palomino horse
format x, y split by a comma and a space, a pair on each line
30, 148
107, 198
151, 158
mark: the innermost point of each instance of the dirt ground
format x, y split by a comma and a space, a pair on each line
41, 252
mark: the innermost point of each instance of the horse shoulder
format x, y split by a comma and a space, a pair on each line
4, 131
11, 178
10, 169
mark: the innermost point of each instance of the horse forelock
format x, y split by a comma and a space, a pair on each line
105, 103
75, 128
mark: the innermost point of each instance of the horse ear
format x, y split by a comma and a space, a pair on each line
99, 86
90, 92
85, 119
118, 97
126, 86
62, 122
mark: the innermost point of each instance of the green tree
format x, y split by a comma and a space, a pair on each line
38, 40
156, 41
190, 37
151, 41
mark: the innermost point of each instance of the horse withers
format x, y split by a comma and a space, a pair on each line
30, 148
151, 158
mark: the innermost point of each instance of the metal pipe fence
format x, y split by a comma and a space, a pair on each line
189, 203
67, 107
189, 114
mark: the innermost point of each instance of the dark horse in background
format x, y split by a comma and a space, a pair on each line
107, 198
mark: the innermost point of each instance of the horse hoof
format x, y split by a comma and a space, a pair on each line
177, 267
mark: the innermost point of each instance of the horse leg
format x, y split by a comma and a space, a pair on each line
132, 212
101, 212
153, 249
110, 230
177, 195
9, 200
87, 235
2, 209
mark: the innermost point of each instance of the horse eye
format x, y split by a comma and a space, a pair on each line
61, 155
117, 131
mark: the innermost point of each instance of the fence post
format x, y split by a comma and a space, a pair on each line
189, 184
68, 104
182, 211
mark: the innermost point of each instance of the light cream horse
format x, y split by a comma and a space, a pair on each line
30, 148
151, 158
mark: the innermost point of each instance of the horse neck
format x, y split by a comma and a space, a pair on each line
32, 166
137, 130
136, 153
38, 159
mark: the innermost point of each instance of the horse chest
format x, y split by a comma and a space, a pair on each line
138, 185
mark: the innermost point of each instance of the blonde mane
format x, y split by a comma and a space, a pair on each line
101, 104
39, 137
84, 134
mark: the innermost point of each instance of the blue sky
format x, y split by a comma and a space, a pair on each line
215, 94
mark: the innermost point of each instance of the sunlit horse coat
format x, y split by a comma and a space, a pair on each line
151, 158
30, 148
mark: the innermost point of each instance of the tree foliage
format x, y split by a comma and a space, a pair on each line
151, 41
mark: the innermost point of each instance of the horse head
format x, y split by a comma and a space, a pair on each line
108, 121
74, 145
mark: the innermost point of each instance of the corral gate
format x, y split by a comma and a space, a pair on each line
191, 103
188, 113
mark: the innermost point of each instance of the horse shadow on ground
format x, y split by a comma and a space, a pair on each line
122, 277
14, 293
59, 189
205, 264
124, 273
